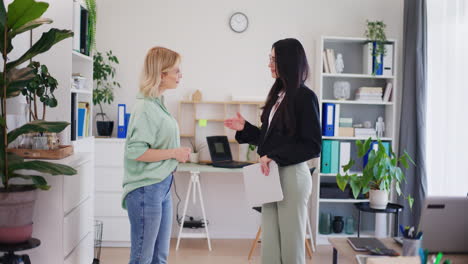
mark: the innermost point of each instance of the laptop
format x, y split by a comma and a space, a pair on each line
220, 153
444, 223
365, 243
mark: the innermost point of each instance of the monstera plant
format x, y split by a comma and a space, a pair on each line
17, 200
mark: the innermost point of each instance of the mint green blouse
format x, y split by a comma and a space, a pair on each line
151, 126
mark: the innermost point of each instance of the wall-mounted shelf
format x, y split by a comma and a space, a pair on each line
352, 102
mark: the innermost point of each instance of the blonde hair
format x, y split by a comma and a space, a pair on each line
157, 61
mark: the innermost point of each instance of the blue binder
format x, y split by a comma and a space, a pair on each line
335, 156
379, 70
375, 145
328, 119
326, 156
121, 124
81, 121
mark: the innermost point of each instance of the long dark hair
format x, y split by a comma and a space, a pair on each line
292, 70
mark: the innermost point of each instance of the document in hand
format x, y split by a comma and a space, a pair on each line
260, 189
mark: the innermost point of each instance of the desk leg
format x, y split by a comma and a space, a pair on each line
359, 224
335, 256
185, 210
203, 211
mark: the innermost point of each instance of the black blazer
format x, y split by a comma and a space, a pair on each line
286, 149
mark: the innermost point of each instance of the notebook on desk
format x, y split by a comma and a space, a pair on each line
220, 153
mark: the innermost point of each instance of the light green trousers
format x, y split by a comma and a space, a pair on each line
284, 222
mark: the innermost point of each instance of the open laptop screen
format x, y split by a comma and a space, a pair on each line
219, 148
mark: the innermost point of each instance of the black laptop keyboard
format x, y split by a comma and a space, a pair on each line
231, 164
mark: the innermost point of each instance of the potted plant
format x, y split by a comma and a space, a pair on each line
41, 88
375, 33
195, 155
103, 75
17, 200
380, 172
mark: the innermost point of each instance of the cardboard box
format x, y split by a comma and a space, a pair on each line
346, 131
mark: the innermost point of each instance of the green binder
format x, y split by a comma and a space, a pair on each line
326, 156
335, 157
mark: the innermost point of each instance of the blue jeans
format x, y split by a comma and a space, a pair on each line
150, 213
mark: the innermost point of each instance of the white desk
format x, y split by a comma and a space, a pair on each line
195, 170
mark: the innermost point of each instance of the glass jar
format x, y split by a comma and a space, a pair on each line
53, 140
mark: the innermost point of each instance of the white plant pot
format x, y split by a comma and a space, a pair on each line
194, 157
378, 199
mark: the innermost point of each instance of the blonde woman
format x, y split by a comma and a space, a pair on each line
152, 153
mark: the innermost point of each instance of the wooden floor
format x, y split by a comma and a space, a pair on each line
232, 251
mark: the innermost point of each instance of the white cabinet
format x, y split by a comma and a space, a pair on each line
109, 170
63, 216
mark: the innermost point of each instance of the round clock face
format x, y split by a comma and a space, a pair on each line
239, 22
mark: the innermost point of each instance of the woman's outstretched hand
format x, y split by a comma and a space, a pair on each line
236, 123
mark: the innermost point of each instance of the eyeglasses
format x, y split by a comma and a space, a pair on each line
272, 59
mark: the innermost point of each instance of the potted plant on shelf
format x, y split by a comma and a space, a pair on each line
21, 178
40, 88
103, 75
375, 33
196, 148
378, 174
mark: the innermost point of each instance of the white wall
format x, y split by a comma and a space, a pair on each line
216, 60
222, 63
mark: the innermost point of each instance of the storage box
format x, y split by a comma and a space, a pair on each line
346, 131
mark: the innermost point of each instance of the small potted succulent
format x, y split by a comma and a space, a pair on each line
196, 148
378, 174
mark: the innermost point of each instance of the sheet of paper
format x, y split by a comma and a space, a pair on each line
260, 189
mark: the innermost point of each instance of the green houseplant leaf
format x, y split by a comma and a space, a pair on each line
38, 181
37, 126
44, 167
47, 40
30, 26
21, 12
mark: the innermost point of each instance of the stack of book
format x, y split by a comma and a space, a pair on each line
328, 61
364, 132
369, 94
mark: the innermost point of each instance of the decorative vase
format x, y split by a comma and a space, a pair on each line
349, 225
325, 223
338, 224
378, 199
341, 90
194, 157
16, 213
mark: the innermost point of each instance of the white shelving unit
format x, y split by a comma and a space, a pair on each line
360, 111
83, 65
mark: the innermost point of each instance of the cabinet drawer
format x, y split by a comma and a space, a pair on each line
109, 204
77, 188
83, 253
76, 225
109, 154
109, 179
